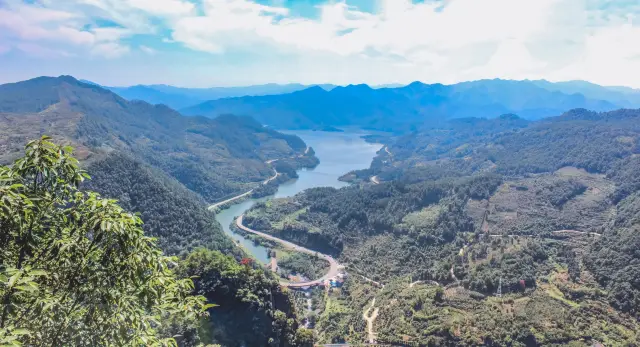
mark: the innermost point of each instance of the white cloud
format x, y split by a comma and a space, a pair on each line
110, 50
148, 50
402, 40
164, 7
110, 34
32, 24
36, 50
4, 49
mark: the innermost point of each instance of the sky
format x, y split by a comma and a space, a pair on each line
204, 43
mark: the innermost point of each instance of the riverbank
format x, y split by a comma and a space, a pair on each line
338, 153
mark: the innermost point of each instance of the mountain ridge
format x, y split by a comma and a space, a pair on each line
400, 108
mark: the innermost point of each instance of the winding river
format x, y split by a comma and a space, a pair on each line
339, 153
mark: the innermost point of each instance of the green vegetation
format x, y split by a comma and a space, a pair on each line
543, 212
303, 264
253, 310
173, 214
150, 158
77, 268
214, 158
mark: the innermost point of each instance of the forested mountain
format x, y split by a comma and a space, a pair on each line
211, 157
543, 212
509, 145
402, 108
150, 157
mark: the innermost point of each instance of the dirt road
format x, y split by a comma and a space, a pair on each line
370, 319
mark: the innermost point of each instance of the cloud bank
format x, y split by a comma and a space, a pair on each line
399, 41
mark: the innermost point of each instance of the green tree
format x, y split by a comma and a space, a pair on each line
253, 309
75, 268
304, 337
439, 295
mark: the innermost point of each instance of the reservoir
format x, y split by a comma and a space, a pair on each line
339, 153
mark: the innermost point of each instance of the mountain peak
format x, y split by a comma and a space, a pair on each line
311, 91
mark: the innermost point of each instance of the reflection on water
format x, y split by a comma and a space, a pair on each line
339, 153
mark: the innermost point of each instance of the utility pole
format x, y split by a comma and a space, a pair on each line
499, 292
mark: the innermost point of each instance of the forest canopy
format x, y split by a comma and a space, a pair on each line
77, 268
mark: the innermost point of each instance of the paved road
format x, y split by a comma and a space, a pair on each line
375, 179
275, 175
333, 269
218, 204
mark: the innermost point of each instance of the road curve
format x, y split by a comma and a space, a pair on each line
275, 175
333, 269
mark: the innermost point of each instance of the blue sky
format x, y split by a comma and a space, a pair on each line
201, 43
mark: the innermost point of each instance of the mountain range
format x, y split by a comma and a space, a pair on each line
179, 97
410, 106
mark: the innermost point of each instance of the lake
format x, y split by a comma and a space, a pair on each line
338, 152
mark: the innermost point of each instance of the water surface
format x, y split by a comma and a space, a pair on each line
339, 153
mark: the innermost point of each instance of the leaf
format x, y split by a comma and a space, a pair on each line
208, 306
13, 279
21, 332
37, 273
27, 288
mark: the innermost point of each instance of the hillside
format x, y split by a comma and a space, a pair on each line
149, 157
542, 212
402, 108
214, 158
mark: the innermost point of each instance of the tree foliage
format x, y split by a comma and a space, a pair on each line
76, 268
253, 310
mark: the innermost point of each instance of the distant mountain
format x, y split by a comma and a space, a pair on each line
177, 97
621, 96
400, 108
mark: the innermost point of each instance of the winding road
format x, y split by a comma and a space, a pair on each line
334, 266
275, 175
375, 179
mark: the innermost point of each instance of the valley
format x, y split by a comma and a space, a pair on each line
338, 153
463, 231
306, 173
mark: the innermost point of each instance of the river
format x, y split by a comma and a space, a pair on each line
338, 152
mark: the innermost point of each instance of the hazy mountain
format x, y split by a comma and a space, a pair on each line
178, 97
621, 96
400, 108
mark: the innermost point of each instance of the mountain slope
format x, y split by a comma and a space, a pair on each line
400, 108
544, 213
212, 157
154, 160
173, 214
